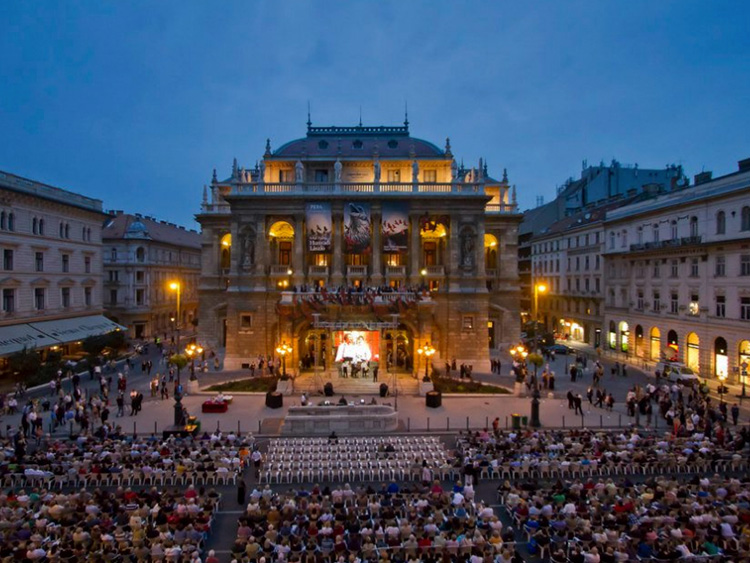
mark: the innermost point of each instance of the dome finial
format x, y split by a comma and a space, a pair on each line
406, 114
309, 121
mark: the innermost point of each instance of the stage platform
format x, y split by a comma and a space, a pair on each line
308, 382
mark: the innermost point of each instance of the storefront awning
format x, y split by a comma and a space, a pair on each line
71, 330
15, 338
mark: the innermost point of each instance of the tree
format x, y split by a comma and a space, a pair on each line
536, 360
179, 361
24, 365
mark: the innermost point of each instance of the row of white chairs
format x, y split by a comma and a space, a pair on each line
349, 471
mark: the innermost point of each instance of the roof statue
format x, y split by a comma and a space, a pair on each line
448, 147
505, 175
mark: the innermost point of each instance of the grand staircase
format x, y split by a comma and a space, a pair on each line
308, 382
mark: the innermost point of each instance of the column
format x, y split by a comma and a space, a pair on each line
337, 275
454, 273
235, 254
414, 250
298, 255
479, 250
376, 275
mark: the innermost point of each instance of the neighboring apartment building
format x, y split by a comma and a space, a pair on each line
677, 270
346, 208
142, 257
51, 270
599, 186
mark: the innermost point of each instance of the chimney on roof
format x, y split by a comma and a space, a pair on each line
703, 177
744, 165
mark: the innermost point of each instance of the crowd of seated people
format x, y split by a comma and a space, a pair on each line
659, 518
574, 453
94, 525
211, 458
393, 524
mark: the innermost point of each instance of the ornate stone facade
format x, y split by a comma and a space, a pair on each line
359, 228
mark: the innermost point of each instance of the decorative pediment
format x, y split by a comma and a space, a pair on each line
10, 282
39, 281
66, 281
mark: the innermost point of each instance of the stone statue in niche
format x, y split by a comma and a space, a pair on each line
467, 250
376, 171
248, 250
299, 172
415, 171
337, 171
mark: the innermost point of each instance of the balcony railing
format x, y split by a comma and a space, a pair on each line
356, 271
669, 243
318, 271
359, 187
395, 271
435, 271
279, 270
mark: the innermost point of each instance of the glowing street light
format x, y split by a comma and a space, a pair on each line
538, 288
282, 350
192, 351
177, 286
428, 351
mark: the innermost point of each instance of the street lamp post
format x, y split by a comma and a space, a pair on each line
427, 351
177, 286
193, 351
722, 379
538, 288
283, 349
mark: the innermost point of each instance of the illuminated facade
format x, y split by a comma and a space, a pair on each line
359, 230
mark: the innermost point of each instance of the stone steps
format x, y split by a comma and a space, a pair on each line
407, 385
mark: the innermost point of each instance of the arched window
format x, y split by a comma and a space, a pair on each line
2, 220
745, 219
34, 226
721, 223
41, 226
721, 359
11, 222
694, 226
225, 252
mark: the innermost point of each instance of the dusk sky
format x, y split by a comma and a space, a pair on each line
136, 102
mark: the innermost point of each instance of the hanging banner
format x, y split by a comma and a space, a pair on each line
319, 226
395, 226
357, 228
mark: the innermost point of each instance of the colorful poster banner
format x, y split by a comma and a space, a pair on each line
357, 228
319, 226
395, 226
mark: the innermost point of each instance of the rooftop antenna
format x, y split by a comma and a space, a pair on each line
309, 121
406, 114
360, 116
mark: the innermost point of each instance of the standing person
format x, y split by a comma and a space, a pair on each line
241, 492
578, 404
735, 413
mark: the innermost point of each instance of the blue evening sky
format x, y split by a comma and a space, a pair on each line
136, 102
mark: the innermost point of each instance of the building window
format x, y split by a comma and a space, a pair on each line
139, 276
65, 263
657, 269
3, 221
640, 303
468, 322
139, 296
9, 300
429, 176
597, 285
65, 297
639, 235
657, 302
694, 268
321, 259
721, 223
140, 254
721, 306
113, 255
246, 322
721, 266
7, 259
745, 226
11, 222
321, 175
745, 265
34, 226
114, 275
67, 230
113, 296
694, 307
394, 176
656, 232
674, 269
41, 226
87, 264
694, 226
674, 303
673, 228
39, 260
745, 308
611, 240
39, 298
87, 296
